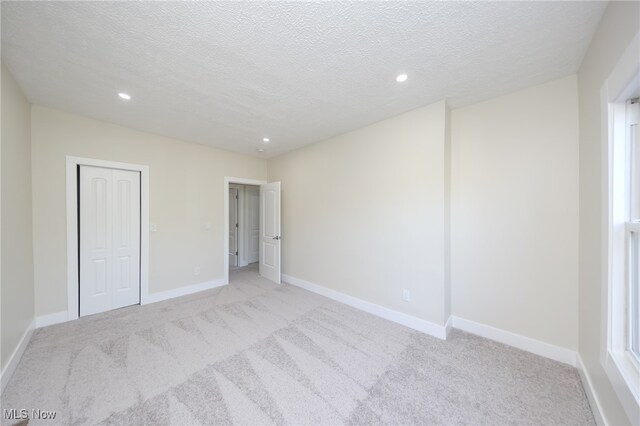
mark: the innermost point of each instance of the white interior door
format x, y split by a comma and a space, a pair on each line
233, 226
109, 239
252, 228
270, 231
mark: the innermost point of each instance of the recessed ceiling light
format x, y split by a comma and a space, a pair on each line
265, 139
260, 150
401, 78
124, 96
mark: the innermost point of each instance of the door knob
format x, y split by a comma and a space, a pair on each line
277, 237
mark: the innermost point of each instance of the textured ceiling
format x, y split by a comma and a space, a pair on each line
226, 74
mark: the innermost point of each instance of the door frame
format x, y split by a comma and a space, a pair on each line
241, 235
73, 302
240, 181
238, 215
244, 227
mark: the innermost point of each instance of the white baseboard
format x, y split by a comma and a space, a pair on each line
528, 344
51, 319
410, 321
14, 359
63, 316
183, 291
547, 350
594, 401
448, 326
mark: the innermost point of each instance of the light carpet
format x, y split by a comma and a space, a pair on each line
256, 353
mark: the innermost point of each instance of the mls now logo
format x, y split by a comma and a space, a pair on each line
23, 414
15, 414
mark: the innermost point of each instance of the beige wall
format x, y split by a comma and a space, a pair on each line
619, 25
363, 213
515, 212
186, 193
17, 249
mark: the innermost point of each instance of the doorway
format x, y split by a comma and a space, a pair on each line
263, 222
244, 225
107, 235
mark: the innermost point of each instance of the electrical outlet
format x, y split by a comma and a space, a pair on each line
196, 271
406, 295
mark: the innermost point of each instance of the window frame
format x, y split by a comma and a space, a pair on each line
620, 365
633, 227
633, 311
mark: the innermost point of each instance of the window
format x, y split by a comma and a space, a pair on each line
621, 357
633, 229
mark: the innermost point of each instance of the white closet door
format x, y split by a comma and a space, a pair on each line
126, 238
109, 239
